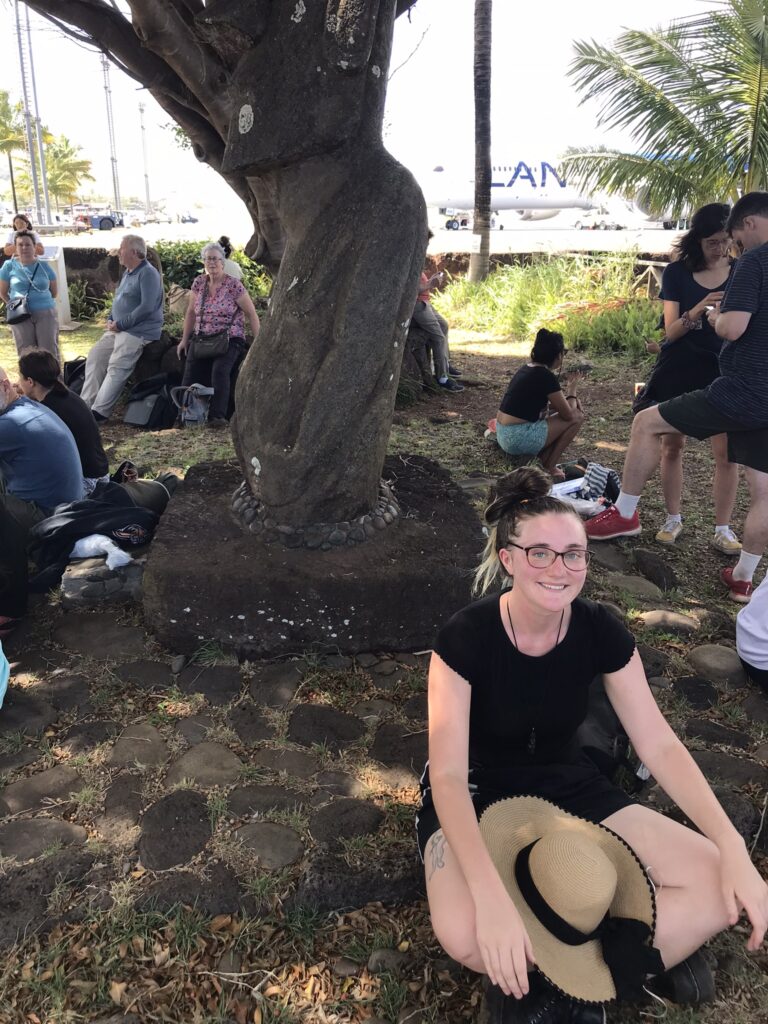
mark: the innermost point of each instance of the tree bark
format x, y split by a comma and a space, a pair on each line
479, 262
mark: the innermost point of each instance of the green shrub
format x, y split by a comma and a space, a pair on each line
592, 300
85, 306
182, 264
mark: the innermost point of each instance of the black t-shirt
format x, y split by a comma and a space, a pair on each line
742, 389
70, 408
678, 285
514, 693
528, 392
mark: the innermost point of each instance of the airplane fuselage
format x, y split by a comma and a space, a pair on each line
514, 186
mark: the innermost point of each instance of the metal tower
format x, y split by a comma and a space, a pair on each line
147, 204
111, 133
25, 91
39, 125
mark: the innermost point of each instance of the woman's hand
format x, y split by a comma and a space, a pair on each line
744, 889
181, 348
504, 944
700, 307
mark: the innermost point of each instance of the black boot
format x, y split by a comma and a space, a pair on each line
543, 1005
689, 983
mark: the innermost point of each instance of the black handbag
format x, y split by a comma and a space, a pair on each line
16, 310
209, 346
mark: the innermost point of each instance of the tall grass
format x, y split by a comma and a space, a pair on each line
592, 301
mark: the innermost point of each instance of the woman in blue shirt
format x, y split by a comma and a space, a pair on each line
25, 275
692, 283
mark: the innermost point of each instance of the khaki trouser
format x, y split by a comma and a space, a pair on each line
107, 368
40, 331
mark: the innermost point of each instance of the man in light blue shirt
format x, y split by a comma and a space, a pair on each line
136, 318
39, 462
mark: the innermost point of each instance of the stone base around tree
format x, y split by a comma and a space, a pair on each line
207, 580
90, 583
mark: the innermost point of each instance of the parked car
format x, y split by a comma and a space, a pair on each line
600, 218
188, 218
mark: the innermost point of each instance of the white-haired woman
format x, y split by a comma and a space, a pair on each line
218, 303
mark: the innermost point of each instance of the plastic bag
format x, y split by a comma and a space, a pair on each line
97, 544
5, 674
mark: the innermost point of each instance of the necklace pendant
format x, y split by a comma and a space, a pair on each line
532, 741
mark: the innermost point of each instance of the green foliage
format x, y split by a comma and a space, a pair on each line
182, 264
85, 306
592, 301
692, 97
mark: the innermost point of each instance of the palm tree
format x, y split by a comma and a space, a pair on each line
12, 137
693, 97
479, 261
66, 170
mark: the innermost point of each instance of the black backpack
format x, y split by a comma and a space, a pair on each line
150, 405
74, 374
603, 739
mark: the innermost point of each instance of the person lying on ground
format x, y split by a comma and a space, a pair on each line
39, 462
40, 380
522, 424
508, 685
736, 403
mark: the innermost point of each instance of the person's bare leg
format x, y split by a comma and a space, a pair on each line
684, 866
725, 482
671, 471
550, 453
643, 452
755, 526
451, 906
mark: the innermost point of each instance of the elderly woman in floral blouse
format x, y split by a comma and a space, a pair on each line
217, 303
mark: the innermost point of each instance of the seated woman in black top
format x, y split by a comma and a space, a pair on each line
508, 686
694, 280
522, 426
40, 380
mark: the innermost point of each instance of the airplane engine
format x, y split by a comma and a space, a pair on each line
536, 214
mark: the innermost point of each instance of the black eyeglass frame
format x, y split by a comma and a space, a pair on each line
584, 552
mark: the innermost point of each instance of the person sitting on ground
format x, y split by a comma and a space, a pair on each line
14, 581
752, 636
136, 318
217, 303
40, 380
508, 685
435, 327
27, 277
230, 267
39, 463
21, 222
736, 403
692, 282
522, 426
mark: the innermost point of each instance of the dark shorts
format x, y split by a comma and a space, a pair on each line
694, 415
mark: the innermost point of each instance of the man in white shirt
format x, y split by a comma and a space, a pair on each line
752, 636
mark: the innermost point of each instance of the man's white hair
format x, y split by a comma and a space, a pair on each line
138, 245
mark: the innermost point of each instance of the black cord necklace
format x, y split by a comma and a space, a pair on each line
532, 738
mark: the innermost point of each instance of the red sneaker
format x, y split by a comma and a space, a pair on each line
738, 590
609, 524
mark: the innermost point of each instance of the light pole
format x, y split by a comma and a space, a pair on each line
111, 133
25, 90
39, 125
147, 204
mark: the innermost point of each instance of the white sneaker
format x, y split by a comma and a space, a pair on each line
669, 532
726, 541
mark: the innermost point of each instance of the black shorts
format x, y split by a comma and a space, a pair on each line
694, 415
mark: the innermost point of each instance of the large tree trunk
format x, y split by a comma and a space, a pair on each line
479, 262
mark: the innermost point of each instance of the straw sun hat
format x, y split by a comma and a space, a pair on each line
584, 898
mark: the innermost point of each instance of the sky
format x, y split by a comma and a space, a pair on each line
429, 117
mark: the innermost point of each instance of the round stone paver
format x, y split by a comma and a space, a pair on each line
206, 764
384, 668
123, 799
276, 846
736, 771
66, 692
250, 724
174, 830
245, 801
366, 660
145, 675
219, 684
655, 568
139, 744
719, 664
292, 762
655, 662
397, 747
194, 729
344, 819
699, 693
756, 708
25, 713
318, 723
416, 707
19, 759
713, 732
275, 686
86, 735
669, 621
31, 793
98, 636
336, 662
370, 711
610, 557
636, 586
30, 838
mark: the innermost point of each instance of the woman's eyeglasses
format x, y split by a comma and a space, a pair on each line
540, 557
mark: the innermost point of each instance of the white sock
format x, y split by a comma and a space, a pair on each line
674, 519
442, 380
723, 529
626, 504
746, 566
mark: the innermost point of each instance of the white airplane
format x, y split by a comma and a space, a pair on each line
534, 191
